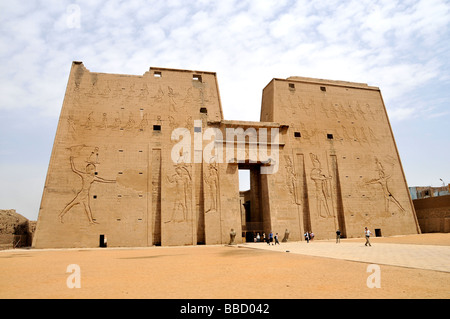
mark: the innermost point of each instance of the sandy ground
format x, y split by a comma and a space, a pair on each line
212, 272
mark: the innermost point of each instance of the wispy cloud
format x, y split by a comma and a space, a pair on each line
401, 46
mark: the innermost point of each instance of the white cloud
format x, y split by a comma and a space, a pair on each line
400, 46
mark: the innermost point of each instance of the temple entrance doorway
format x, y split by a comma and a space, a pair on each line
250, 195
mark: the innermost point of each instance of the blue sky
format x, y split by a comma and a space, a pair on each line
400, 46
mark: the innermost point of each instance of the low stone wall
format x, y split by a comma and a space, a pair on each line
433, 214
15, 230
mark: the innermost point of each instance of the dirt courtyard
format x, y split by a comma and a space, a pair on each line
213, 272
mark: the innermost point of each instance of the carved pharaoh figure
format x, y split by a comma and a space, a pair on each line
291, 180
88, 177
382, 180
212, 180
320, 181
182, 179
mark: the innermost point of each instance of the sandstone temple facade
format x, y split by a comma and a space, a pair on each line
150, 160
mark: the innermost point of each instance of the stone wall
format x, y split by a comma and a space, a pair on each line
150, 160
15, 229
433, 214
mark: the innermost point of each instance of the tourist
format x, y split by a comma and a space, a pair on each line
307, 237
367, 232
258, 238
271, 238
338, 236
311, 235
276, 239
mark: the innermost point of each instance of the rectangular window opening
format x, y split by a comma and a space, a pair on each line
292, 86
203, 110
297, 134
156, 127
157, 74
323, 89
330, 136
197, 77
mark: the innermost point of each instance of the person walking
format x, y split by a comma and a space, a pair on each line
307, 237
338, 236
367, 233
271, 238
276, 239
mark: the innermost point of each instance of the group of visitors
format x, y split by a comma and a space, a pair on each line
271, 240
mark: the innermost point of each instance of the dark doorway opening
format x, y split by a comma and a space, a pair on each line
103, 241
377, 232
251, 207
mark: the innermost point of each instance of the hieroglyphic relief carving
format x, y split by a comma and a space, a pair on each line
355, 135
130, 124
89, 122
106, 90
333, 111
182, 180
172, 103
307, 134
71, 126
382, 180
363, 135
369, 111
143, 123
291, 181
104, 124
322, 187
117, 123
211, 179
159, 95
350, 111
93, 157
172, 123
324, 110
305, 108
144, 92
88, 177
360, 112
188, 98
